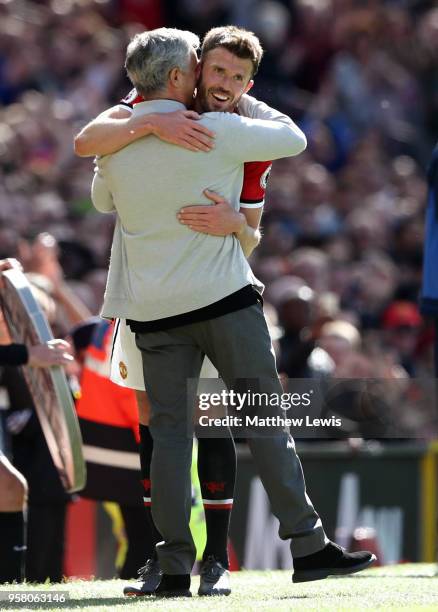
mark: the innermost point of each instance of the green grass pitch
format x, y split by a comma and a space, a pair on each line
404, 587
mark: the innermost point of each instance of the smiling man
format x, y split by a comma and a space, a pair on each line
229, 78
230, 57
225, 75
187, 294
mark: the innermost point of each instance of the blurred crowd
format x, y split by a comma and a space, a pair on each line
341, 253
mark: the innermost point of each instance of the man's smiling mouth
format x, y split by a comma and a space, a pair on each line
220, 97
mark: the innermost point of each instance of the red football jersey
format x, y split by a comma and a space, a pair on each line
255, 174
132, 98
255, 179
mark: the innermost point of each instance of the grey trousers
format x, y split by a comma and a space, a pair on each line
239, 346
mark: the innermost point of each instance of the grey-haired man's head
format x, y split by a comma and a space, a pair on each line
162, 59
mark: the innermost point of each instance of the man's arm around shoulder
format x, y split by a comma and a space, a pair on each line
243, 139
117, 127
256, 109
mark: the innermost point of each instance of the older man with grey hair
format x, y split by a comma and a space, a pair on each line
187, 295
150, 59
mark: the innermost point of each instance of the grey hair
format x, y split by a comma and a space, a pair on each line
151, 56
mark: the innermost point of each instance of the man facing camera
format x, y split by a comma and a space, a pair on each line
188, 294
222, 83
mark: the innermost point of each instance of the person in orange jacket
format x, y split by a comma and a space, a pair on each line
108, 418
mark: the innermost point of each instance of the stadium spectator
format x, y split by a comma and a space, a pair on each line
403, 324
341, 341
13, 485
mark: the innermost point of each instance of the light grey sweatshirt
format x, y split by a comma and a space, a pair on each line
159, 267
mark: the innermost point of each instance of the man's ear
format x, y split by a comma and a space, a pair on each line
198, 71
175, 77
249, 86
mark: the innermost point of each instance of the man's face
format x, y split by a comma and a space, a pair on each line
224, 79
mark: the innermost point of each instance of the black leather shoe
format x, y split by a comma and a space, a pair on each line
173, 586
332, 560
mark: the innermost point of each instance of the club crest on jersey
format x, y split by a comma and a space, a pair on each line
131, 98
215, 487
123, 370
265, 177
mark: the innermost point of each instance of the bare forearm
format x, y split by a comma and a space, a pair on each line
107, 135
249, 239
222, 220
250, 230
115, 129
